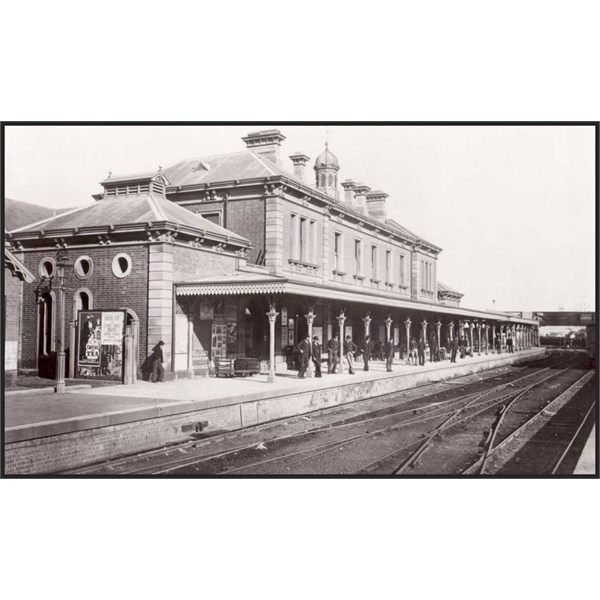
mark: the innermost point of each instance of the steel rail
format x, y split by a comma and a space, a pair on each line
564, 454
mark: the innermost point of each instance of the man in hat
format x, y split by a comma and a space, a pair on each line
349, 350
316, 355
158, 371
333, 353
389, 355
304, 349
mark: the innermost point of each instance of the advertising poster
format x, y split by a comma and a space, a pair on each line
100, 344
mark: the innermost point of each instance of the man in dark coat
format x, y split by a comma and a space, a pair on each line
463, 347
366, 351
454, 346
389, 355
421, 351
304, 350
158, 371
316, 355
333, 353
349, 350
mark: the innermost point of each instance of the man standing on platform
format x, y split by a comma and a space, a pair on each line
366, 350
333, 353
304, 349
389, 355
454, 345
349, 350
316, 355
421, 351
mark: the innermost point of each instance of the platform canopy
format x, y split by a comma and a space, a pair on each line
248, 283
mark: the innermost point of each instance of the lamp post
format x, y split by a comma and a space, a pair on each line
272, 316
61, 263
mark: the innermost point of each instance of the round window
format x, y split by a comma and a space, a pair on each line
47, 267
121, 265
83, 267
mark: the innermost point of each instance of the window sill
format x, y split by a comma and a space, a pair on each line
338, 272
301, 266
390, 284
375, 281
359, 277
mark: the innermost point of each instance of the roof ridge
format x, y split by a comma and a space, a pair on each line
64, 214
264, 162
156, 209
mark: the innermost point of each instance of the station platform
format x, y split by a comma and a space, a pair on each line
51, 432
586, 465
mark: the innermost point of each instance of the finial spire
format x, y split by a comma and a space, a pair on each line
109, 172
326, 137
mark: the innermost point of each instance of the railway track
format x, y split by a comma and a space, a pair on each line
387, 435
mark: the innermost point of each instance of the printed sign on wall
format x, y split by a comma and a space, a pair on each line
100, 344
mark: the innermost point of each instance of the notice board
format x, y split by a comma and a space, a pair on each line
100, 344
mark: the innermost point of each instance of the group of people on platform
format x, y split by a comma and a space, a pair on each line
310, 350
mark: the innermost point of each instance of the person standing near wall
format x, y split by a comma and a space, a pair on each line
316, 355
158, 371
349, 350
389, 355
333, 353
304, 349
366, 351
421, 351
454, 345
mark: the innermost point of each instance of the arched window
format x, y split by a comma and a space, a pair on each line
330, 179
82, 300
46, 309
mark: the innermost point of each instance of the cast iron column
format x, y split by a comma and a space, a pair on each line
272, 315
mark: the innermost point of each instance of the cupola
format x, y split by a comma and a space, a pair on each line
326, 172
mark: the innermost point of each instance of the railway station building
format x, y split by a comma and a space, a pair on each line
241, 255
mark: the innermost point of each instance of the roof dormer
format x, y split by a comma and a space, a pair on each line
134, 185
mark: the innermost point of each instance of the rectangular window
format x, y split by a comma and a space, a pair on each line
313, 243
388, 260
401, 269
303, 242
213, 217
373, 262
337, 250
293, 237
357, 257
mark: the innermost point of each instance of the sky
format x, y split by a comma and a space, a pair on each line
511, 206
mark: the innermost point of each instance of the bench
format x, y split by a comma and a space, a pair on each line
246, 366
224, 366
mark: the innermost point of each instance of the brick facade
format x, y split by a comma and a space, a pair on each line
107, 292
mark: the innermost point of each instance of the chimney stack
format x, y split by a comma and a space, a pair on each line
300, 160
360, 199
349, 186
266, 143
376, 205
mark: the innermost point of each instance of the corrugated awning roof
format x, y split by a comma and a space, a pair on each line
242, 283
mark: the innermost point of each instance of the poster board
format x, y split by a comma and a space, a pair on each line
100, 344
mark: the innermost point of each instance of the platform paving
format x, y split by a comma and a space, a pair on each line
200, 393
586, 465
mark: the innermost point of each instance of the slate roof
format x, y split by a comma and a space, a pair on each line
18, 214
128, 210
239, 166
